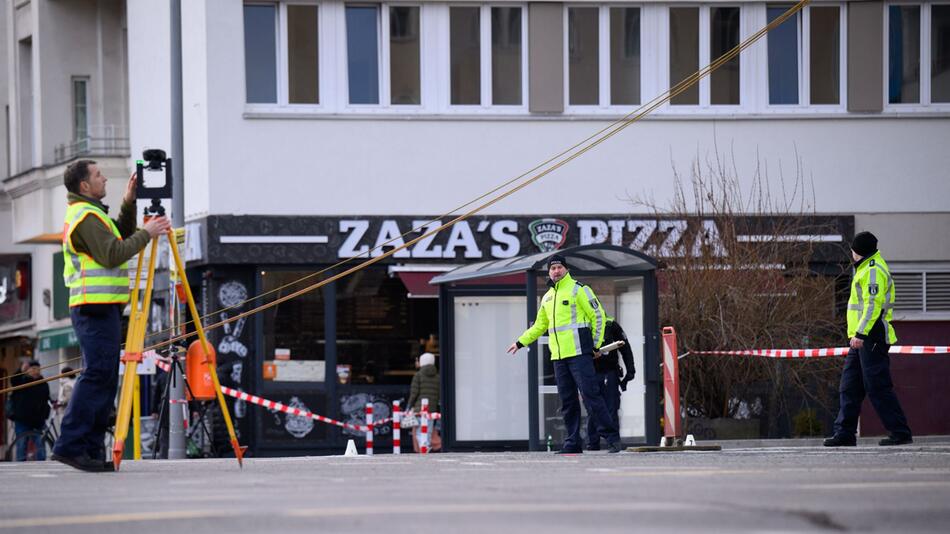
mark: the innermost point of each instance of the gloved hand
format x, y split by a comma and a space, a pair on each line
627, 378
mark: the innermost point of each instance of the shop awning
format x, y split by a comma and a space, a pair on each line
57, 338
417, 284
586, 259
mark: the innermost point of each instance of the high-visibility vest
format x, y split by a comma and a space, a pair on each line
872, 297
89, 282
573, 318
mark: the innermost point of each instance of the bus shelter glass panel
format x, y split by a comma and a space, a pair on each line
629, 306
622, 299
491, 401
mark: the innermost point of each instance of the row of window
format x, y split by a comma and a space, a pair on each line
439, 58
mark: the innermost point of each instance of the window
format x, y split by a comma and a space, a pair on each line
583, 55
260, 53
81, 111
918, 54
486, 56
825, 54
404, 56
806, 56
624, 56
723, 37
603, 56
940, 53
465, 52
294, 333
783, 57
690, 28
903, 42
506, 55
303, 54
362, 54
684, 52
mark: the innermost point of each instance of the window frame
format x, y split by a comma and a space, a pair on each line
486, 106
603, 59
926, 25
804, 105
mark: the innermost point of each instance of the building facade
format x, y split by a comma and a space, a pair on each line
316, 131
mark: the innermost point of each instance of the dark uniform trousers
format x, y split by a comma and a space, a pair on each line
99, 329
867, 371
609, 383
577, 373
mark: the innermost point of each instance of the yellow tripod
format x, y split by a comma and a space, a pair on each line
134, 344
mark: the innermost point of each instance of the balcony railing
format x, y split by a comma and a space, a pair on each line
102, 140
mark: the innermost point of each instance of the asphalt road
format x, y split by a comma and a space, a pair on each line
738, 490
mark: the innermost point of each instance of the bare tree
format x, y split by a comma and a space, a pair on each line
747, 281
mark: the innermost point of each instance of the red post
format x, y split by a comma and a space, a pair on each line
424, 441
369, 428
397, 416
672, 425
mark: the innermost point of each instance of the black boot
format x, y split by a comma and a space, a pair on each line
838, 441
895, 440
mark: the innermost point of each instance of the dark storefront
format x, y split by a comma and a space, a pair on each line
355, 340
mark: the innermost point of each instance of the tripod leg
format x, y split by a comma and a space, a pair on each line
135, 341
137, 418
238, 450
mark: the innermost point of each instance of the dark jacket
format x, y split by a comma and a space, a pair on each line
610, 361
30, 405
425, 385
96, 239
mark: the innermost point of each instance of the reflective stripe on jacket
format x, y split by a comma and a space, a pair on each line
573, 318
872, 299
89, 282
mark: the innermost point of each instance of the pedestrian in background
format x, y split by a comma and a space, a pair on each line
425, 385
31, 408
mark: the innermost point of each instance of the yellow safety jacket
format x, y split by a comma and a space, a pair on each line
872, 298
88, 281
573, 318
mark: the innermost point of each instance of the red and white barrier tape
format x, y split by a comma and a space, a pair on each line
822, 353
273, 405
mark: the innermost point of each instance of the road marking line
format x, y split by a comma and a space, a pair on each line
97, 519
878, 485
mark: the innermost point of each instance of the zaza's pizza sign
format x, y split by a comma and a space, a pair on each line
236, 239
509, 237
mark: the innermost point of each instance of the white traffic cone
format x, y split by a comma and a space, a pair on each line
351, 449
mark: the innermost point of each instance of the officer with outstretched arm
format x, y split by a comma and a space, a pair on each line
575, 322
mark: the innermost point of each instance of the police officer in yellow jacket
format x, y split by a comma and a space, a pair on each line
575, 322
867, 365
95, 251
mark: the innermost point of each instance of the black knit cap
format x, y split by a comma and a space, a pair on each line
864, 244
557, 259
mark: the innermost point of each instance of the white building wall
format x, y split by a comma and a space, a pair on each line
252, 163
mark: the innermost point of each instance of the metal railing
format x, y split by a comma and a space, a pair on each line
101, 140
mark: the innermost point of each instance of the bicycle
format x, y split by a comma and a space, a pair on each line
46, 438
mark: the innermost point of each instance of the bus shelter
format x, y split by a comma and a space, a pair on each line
493, 400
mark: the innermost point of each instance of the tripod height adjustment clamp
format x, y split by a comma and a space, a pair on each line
132, 357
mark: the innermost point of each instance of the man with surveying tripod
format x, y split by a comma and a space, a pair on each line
96, 250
